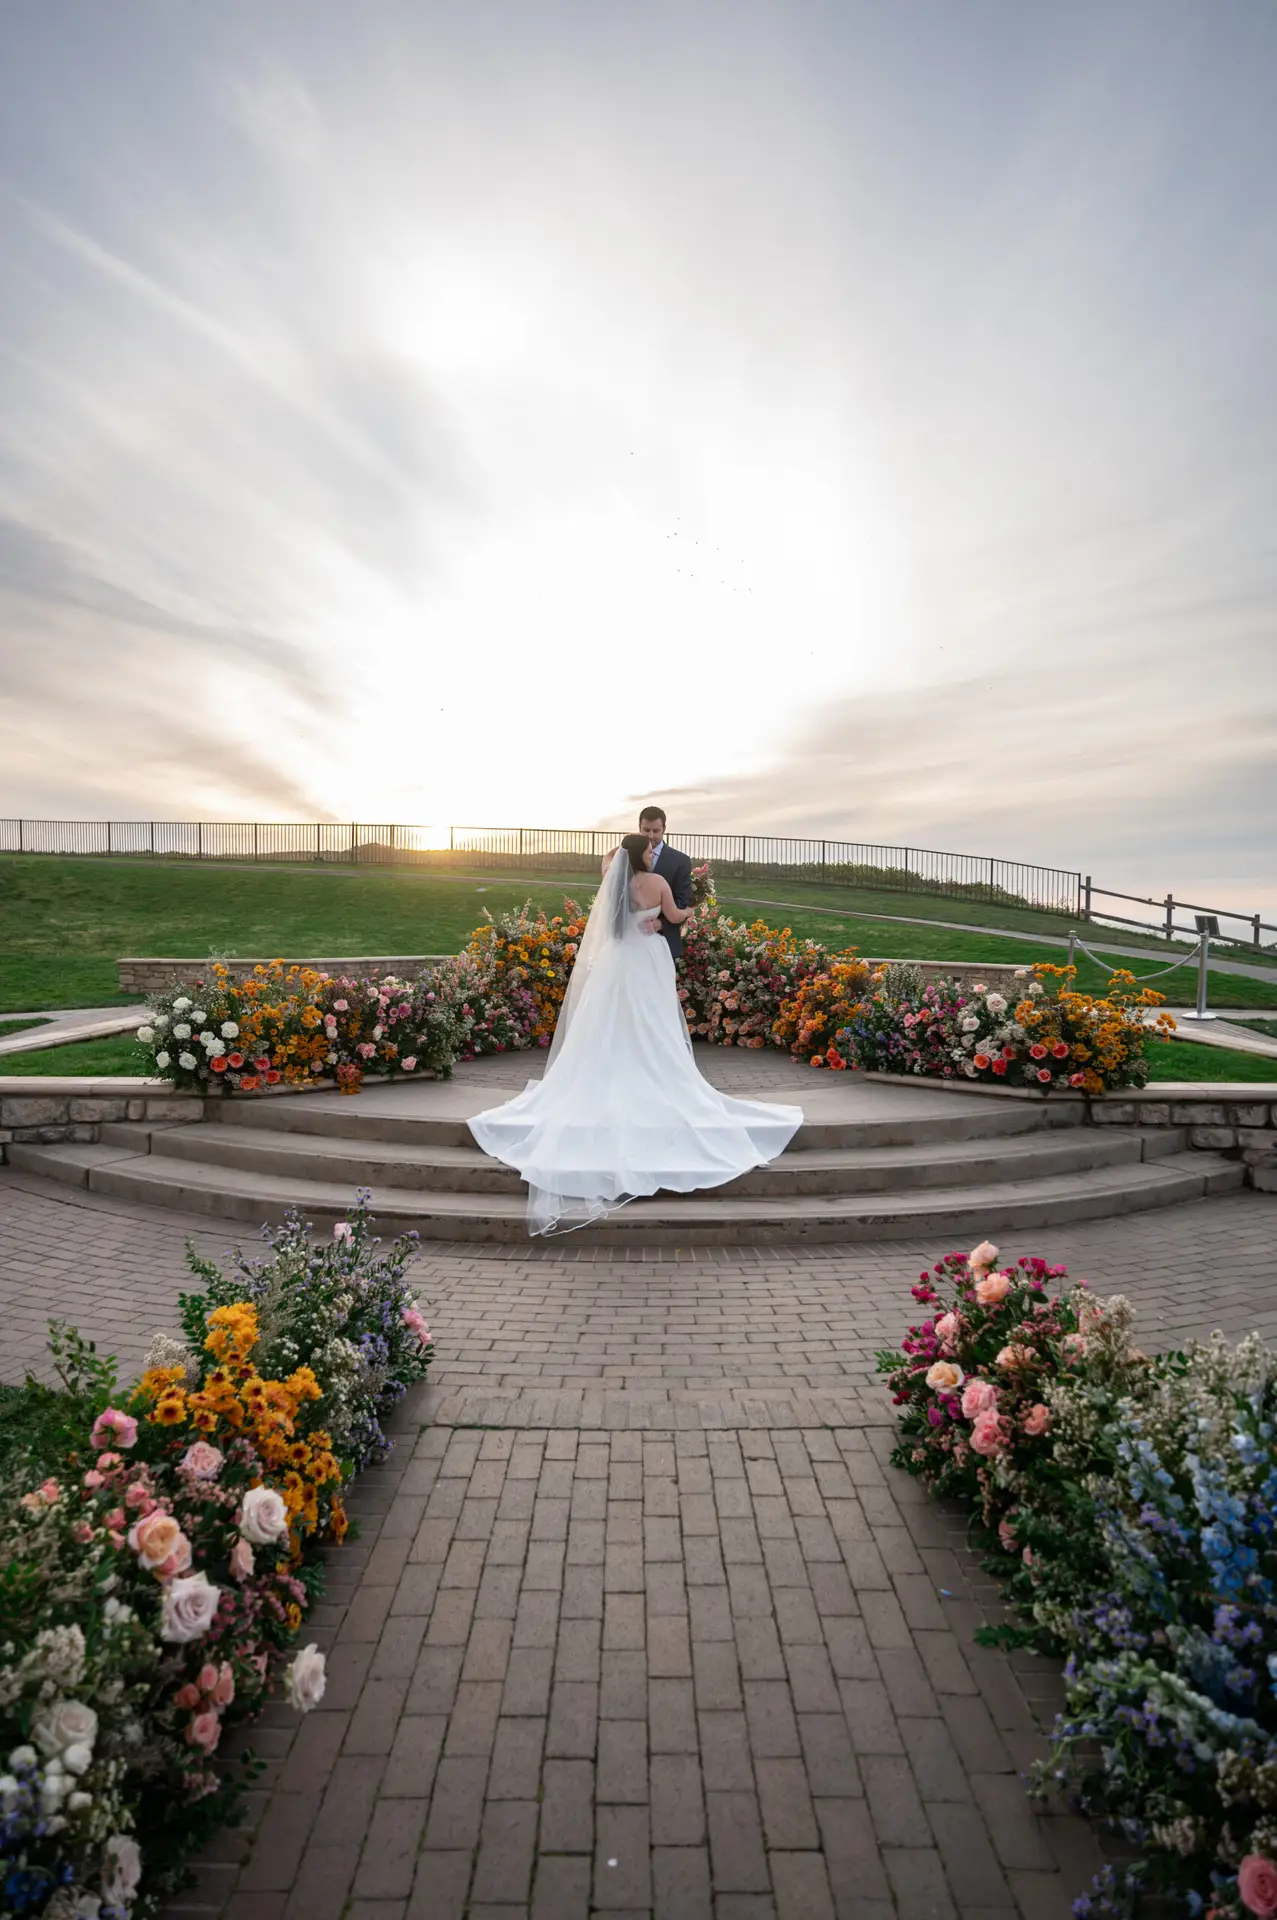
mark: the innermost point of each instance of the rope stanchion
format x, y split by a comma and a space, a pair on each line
1199, 959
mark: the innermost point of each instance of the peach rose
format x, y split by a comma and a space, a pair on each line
1014, 1357
154, 1537
992, 1289
944, 1377
1037, 1421
979, 1398
947, 1329
988, 1435
982, 1257
241, 1562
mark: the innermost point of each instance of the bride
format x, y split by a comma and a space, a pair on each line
622, 1109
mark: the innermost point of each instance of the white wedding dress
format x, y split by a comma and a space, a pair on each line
622, 1109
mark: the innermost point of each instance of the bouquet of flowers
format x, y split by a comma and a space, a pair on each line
526, 959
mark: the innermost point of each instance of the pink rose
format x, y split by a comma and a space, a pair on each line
981, 1258
241, 1562
205, 1731
201, 1461
415, 1323
187, 1696
1006, 1534
947, 1329
341, 1006
993, 1288
979, 1397
1073, 1346
1037, 1421
1257, 1885
177, 1562
410, 1063
93, 1480
1014, 1357
113, 1428
342, 1230
154, 1537
138, 1498
208, 1677
224, 1692
988, 1435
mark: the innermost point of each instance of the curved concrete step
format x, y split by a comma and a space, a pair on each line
702, 1218
450, 1169
439, 1120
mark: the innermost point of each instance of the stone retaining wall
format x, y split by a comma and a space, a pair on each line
49, 1109
967, 973
1233, 1119
148, 975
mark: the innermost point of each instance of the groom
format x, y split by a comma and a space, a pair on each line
672, 866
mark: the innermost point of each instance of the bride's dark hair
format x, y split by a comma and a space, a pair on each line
636, 845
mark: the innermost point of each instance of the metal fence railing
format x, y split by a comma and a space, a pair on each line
559, 849
572, 850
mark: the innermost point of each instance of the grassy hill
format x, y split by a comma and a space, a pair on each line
64, 922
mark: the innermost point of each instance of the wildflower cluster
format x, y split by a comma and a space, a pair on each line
1129, 1505
155, 1582
735, 979
522, 961
1042, 1040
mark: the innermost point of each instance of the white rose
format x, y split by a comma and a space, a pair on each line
182, 1031
230, 1030
146, 1035
971, 1024
305, 1679
159, 1020
996, 1004
161, 1059
216, 1049
331, 1059
264, 1517
181, 1004
78, 1758
9, 1791
208, 1039
187, 1610
186, 1060
77, 1801
121, 1869
1035, 986
66, 1723
198, 1015
23, 1758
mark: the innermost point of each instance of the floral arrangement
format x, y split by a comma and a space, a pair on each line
156, 1581
1129, 1505
824, 1006
293, 1025
1043, 1040
525, 958
734, 978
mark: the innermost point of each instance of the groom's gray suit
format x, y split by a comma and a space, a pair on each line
676, 868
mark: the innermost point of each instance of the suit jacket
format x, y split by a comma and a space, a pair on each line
676, 868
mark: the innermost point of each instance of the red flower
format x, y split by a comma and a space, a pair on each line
249, 1082
1037, 1051
271, 1076
219, 1063
262, 1064
981, 1061
1060, 1050
1077, 1079
1000, 1066
1044, 1073
234, 1059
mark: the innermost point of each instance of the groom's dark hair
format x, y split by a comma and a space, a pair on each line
652, 813
636, 846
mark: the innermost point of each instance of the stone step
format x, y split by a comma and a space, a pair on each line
452, 1169
438, 1116
993, 1207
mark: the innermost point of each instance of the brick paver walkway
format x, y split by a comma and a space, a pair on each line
640, 1623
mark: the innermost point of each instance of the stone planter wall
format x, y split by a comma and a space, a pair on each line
1236, 1119
148, 975
967, 973
50, 1109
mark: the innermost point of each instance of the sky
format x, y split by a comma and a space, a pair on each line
823, 416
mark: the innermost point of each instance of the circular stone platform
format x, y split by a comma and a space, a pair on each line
873, 1159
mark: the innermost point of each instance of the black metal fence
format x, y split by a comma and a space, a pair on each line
569, 850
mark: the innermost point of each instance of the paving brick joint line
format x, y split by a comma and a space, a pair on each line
640, 1621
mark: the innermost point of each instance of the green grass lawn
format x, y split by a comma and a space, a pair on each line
1267, 1027
1190, 1060
19, 1026
118, 1053
65, 922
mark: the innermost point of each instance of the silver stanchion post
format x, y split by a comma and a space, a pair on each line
1072, 946
1206, 925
